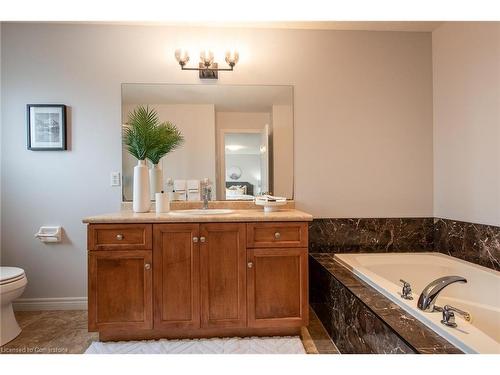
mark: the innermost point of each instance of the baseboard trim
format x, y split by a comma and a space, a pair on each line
64, 303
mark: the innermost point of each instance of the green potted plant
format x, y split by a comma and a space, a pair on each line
145, 137
168, 138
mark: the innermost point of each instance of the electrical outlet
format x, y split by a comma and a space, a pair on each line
115, 179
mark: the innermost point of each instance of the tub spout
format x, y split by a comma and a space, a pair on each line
430, 293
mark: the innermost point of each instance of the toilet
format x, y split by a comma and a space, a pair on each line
13, 280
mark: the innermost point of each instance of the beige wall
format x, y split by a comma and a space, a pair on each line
466, 74
362, 110
241, 120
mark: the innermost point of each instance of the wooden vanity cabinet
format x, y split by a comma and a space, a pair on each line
277, 287
277, 275
176, 263
223, 275
120, 290
197, 279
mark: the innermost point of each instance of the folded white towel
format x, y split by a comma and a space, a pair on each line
179, 185
180, 190
193, 190
193, 185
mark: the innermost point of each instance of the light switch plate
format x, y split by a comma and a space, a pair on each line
115, 179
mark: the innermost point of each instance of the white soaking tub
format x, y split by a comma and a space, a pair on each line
480, 296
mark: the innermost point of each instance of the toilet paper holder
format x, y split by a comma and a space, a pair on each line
49, 234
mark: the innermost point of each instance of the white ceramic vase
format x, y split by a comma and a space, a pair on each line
141, 199
155, 180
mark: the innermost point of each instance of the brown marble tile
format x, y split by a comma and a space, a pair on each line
474, 243
360, 319
371, 235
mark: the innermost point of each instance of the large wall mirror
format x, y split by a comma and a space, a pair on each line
240, 137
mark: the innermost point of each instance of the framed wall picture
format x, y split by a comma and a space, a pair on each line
46, 127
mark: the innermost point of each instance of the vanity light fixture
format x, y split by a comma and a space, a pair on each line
207, 68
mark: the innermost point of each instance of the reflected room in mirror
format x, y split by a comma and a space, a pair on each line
239, 137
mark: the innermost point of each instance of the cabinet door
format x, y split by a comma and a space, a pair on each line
277, 287
176, 259
120, 290
223, 275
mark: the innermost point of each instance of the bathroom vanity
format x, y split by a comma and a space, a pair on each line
183, 276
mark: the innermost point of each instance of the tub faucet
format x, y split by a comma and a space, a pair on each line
449, 316
406, 291
430, 293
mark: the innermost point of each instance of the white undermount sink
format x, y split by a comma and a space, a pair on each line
208, 211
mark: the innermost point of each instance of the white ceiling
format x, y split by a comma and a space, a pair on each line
230, 98
408, 26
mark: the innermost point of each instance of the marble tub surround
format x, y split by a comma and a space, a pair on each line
476, 243
187, 205
254, 215
361, 320
371, 235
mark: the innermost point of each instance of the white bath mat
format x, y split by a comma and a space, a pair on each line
233, 345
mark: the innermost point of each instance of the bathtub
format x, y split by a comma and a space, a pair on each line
480, 296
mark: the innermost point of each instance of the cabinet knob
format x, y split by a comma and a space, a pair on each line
147, 266
119, 237
202, 239
250, 264
195, 239
277, 235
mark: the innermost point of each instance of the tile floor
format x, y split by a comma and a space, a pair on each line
60, 332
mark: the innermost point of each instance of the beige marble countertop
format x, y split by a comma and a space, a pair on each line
252, 215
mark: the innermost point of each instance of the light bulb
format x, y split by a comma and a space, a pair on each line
181, 56
232, 57
207, 57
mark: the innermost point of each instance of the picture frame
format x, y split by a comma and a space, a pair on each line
46, 127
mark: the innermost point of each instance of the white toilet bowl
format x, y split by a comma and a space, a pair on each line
12, 284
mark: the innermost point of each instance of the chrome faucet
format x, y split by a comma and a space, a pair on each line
449, 316
406, 291
206, 194
430, 293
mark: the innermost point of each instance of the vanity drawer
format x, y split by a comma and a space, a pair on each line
120, 237
289, 234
